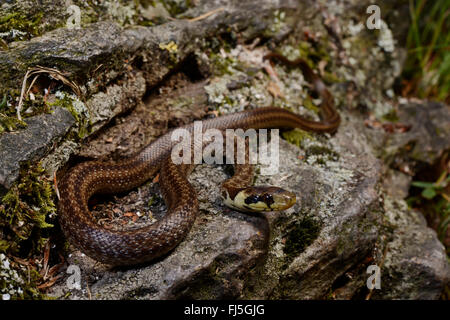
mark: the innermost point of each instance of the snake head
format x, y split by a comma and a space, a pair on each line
261, 199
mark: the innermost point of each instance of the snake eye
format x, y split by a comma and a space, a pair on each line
264, 198
253, 198
268, 199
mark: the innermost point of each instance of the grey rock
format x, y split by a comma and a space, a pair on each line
416, 265
397, 184
78, 51
429, 135
31, 143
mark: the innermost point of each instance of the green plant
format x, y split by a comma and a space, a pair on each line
432, 189
427, 68
434, 202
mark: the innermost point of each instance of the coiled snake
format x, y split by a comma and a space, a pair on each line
147, 243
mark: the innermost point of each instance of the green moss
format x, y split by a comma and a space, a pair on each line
10, 123
25, 217
8, 118
308, 104
4, 245
30, 108
329, 77
391, 116
67, 101
25, 208
296, 136
221, 66
20, 21
176, 7
300, 236
154, 200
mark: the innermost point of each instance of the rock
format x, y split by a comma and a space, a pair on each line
429, 136
416, 265
107, 44
33, 142
396, 184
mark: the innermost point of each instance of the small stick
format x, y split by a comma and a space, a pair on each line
206, 15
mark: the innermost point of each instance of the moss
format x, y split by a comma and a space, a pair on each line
308, 104
176, 7
330, 78
10, 123
4, 245
26, 207
221, 66
19, 282
154, 200
77, 109
300, 236
8, 119
19, 21
391, 116
26, 212
296, 136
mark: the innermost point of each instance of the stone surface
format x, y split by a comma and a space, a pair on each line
80, 52
31, 143
416, 264
429, 135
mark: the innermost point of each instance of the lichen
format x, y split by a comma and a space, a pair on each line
17, 281
121, 13
322, 154
278, 22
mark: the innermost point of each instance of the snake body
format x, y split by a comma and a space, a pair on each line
136, 246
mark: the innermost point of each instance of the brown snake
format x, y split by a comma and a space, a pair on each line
149, 242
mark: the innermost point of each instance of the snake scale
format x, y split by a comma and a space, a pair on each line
129, 247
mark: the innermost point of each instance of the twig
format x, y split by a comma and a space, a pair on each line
55, 184
200, 17
206, 15
88, 290
54, 73
31, 85
22, 93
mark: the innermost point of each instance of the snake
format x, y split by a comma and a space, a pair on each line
144, 244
